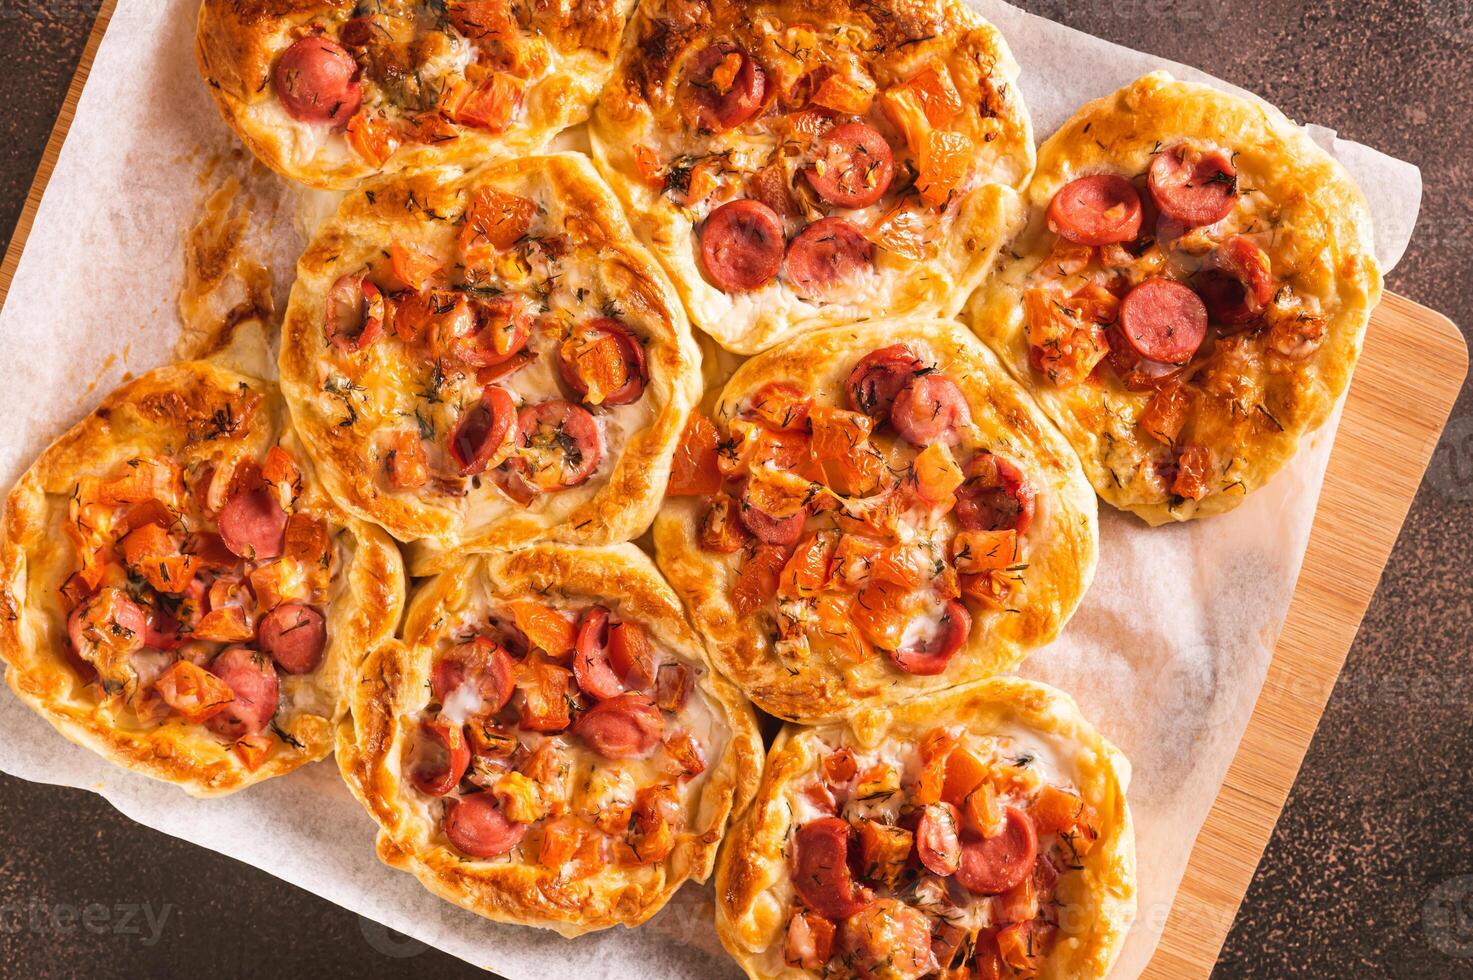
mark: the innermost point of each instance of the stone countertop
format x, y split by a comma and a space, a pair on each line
1367, 874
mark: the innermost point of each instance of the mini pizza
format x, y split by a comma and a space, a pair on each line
979, 832
485, 359
548, 745
180, 595
329, 92
874, 511
799, 164
1190, 296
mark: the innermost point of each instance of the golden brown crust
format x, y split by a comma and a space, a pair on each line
890, 42
754, 892
1060, 548
389, 387
562, 56
1254, 405
192, 410
394, 687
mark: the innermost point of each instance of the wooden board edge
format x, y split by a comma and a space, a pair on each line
52, 151
1335, 588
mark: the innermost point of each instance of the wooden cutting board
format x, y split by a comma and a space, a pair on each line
1409, 375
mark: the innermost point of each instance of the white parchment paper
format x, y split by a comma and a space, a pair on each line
1167, 653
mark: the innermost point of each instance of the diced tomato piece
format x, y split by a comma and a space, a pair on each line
854, 559
853, 94
496, 219
938, 96
781, 405
839, 766
883, 849
195, 693
1057, 810
877, 614
722, 530
372, 137
757, 580
405, 460
943, 165
253, 750
280, 581
836, 621
544, 688
809, 941
807, 571
937, 475
694, 472
1022, 947
907, 566
838, 433
647, 164
976, 552
306, 539
280, 467
492, 104
151, 553
545, 628
412, 265
687, 754
964, 773
1063, 344
652, 825
989, 588
1166, 413
1194, 473
906, 111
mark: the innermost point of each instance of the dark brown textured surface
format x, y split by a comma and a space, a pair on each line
1368, 874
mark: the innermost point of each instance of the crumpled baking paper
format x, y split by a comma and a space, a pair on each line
1166, 654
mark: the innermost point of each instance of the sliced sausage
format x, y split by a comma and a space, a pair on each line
992, 865
821, 873
625, 727
854, 166
476, 826
560, 445
994, 496
606, 330
1241, 284
781, 531
826, 255
294, 635
480, 662
109, 619
483, 432
253, 525
1100, 209
928, 410
355, 313
502, 329
631, 656
742, 245
591, 664
317, 82
1163, 320
252, 680
879, 376
438, 770
888, 940
938, 840
726, 87
932, 656
1194, 187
